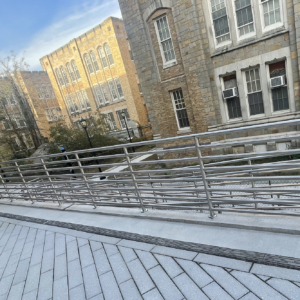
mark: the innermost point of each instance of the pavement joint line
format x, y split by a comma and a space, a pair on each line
248, 256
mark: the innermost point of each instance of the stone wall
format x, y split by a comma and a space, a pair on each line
198, 60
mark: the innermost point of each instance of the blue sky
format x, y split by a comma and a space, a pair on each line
38, 27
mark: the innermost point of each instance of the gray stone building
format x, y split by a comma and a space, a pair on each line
206, 65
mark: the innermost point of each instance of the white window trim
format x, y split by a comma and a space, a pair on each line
288, 85
119, 118
105, 51
100, 57
165, 63
112, 80
246, 93
225, 43
85, 57
118, 78
93, 62
175, 112
225, 101
100, 89
273, 26
250, 34
104, 85
262, 61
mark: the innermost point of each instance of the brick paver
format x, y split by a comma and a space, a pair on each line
49, 264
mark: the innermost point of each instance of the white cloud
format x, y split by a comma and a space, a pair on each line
80, 19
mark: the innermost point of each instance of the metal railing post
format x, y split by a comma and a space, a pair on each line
25, 184
85, 179
253, 184
137, 190
205, 183
50, 180
4, 181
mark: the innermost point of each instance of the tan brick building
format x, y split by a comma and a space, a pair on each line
207, 65
41, 98
95, 71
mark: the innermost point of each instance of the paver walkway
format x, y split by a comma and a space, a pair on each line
45, 262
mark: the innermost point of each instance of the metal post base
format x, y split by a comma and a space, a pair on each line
212, 217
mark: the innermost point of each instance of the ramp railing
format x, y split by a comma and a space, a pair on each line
205, 172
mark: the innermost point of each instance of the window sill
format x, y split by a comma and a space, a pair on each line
170, 64
282, 116
184, 130
253, 40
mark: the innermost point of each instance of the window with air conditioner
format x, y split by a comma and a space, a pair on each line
279, 86
233, 103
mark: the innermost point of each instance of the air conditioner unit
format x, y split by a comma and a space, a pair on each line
230, 93
277, 81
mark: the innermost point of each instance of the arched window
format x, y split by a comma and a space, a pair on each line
71, 72
88, 63
103, 57
94, 60
59, 77
64, 74
75, 69
109, 54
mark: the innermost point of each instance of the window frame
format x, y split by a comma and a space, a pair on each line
104, 92
64, 75
87, 58
116, 85
94, 61
102, 57
247, 35
118, 112
59, 77
246, 92
229, 120
71, 72
287, 85
172, 62
111, 94
98, 102
111, 123
224, 43
265, 28
175, 110
86, 99
109, 55
76, 71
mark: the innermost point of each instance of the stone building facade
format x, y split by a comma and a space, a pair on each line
206, 65
95, 72
41, 98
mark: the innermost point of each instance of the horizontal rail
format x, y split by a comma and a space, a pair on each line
181, 173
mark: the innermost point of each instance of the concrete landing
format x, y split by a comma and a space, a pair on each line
201, 230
